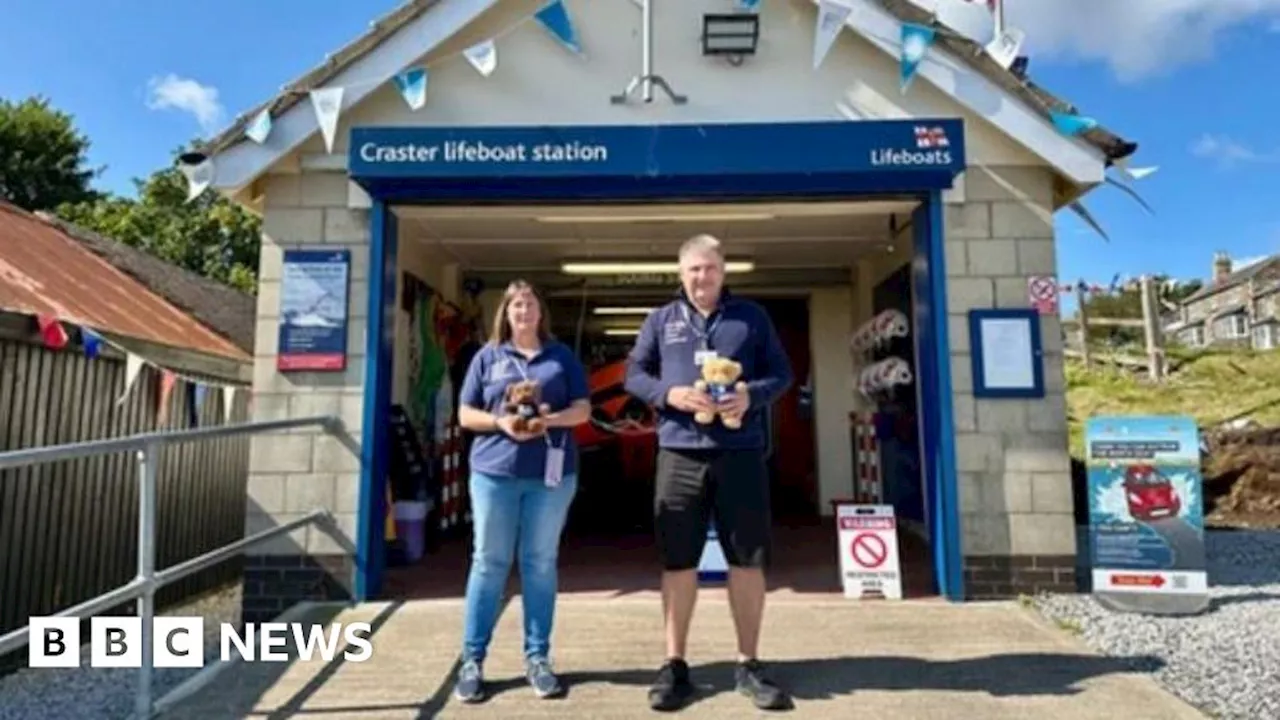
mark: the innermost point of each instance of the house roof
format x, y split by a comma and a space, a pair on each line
1112, 146
1232, 279
46, 270
295, 92
225, 310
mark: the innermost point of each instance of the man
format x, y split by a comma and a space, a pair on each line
710, 472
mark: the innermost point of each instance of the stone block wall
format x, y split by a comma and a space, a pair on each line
1014, 471
292, 473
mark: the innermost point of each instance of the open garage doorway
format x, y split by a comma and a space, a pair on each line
819, 268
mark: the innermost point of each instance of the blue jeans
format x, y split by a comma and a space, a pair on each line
511, 512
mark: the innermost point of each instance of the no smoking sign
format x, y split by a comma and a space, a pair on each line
868, 542
1042, 294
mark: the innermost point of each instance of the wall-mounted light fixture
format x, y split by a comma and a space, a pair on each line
622, 332
733, 35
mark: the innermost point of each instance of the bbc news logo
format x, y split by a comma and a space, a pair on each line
178, 642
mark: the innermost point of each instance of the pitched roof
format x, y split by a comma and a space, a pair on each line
1111, 145
297, 91
225, 310
1232, 279
44, 269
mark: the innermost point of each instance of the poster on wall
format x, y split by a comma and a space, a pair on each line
314, 288
1146, 519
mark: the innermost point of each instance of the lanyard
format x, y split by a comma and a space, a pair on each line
704, 336
522, 367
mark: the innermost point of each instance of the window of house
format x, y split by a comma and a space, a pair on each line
1263, 337
1232, 326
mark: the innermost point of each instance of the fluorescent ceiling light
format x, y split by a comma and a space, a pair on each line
622, 310
656, 268
705, 217
622, 332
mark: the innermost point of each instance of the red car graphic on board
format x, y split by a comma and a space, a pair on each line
1151, 496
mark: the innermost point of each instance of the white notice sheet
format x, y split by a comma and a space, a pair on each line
1008, 362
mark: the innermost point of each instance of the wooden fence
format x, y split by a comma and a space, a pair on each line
1154, 363
68, 530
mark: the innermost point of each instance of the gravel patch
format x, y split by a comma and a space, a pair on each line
86, 693
1225, 661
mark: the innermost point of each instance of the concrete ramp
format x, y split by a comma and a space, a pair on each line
918, 659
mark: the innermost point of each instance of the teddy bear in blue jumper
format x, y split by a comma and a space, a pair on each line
720, 379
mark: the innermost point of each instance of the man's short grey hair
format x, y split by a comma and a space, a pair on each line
702, 242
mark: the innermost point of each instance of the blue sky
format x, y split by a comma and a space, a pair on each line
143, 76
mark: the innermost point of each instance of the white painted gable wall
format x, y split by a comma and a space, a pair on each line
539, 82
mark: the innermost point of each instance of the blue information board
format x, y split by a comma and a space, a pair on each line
1146, 516
314, 288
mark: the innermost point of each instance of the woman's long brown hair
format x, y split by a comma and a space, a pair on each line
502, 329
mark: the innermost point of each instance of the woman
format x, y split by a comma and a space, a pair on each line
521, 483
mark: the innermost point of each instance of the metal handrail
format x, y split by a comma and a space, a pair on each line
72, 451
148, 581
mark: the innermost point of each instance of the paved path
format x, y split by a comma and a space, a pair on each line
916, 659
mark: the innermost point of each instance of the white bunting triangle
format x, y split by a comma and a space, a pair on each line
483, 56
1132, 173
260, 128
1004, 49
831, 19
199, 177
228, 402
132, 367
328, 106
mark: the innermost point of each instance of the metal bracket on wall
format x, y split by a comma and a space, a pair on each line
648, 81
647, 78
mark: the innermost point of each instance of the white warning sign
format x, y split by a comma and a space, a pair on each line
868, 546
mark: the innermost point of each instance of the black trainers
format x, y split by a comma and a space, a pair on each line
543, 681
672, 688
470, 687
755, 684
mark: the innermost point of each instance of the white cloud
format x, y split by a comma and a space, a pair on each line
178, 93
1227, 153
1137, 38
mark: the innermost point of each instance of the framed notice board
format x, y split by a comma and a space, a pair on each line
1008, 357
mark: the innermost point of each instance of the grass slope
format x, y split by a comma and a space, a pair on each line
1211, 386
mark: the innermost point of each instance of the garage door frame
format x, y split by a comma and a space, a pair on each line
705, 164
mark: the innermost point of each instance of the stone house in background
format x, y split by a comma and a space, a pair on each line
1239, 307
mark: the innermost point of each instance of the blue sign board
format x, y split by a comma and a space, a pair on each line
1146, 518
924, 146
314, 287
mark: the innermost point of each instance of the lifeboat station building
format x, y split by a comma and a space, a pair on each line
859, 161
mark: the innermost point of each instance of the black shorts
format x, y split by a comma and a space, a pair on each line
729, 486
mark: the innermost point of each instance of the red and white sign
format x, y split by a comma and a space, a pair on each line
1042, 291
868, 543
1166, 582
